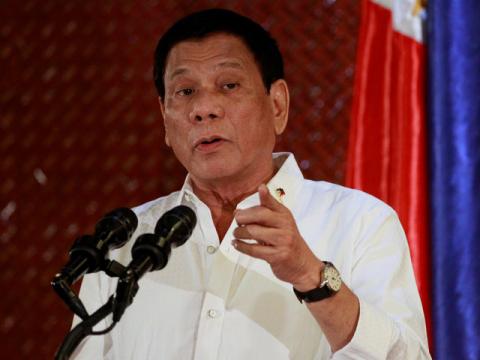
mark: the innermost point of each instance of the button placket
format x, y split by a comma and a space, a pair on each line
210, 327
212, 313
211, 249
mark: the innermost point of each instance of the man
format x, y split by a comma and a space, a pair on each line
266, 238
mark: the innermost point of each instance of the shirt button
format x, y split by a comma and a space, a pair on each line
211, 249
212, 313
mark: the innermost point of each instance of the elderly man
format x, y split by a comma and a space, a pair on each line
278, 266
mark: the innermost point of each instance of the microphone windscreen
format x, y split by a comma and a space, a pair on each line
177, 225
116, 227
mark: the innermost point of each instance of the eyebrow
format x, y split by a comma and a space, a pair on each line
224, 64
177, 72
230, 64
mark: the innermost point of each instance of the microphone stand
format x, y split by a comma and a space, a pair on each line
173, 228
83, 329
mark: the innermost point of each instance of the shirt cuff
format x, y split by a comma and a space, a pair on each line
373, 336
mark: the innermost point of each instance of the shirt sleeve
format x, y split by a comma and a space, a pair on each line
391, 323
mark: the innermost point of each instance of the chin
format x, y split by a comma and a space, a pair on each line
214, 171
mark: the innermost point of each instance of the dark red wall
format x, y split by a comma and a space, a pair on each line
81, 134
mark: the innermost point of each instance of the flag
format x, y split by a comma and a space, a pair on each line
454, 144
387, 145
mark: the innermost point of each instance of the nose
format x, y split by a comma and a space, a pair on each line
206, 106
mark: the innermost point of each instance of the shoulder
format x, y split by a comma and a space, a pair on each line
352, 216
340, 199
345, 225
160, 204
148, 213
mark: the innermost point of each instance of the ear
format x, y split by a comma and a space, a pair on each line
162, 110
280, 98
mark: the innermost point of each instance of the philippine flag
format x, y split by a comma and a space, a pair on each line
387, 146
388, 157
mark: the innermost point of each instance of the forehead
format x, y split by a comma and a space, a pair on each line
209, 51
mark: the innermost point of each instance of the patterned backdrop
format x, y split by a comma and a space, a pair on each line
81, 133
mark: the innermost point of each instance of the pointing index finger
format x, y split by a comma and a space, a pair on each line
267, 199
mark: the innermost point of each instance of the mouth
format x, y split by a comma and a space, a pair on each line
209, 143
212, 141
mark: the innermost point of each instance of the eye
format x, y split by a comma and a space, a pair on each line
230, 86
184, 92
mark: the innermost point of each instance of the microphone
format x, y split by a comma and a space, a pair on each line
152, 251
88, 253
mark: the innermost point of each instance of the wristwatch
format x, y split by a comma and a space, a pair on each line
329, 285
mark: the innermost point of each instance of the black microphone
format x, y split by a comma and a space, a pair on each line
152, 251
88, 253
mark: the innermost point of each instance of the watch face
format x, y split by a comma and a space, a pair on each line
334, 281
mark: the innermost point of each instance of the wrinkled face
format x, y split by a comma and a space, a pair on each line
219, 119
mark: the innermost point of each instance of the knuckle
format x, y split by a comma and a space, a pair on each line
283, 256
288, 240
251, 231
236, 232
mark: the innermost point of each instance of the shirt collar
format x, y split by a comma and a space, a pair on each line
284, 185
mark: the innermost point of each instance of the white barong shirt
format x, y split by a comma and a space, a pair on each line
213, 302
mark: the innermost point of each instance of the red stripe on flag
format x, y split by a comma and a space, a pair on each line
387, 149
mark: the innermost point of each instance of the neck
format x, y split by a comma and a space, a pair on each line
222, 196
230, 190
